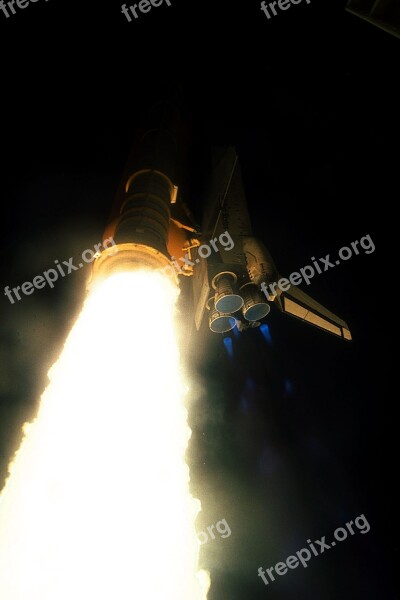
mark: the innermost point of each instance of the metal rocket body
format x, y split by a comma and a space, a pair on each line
153, 227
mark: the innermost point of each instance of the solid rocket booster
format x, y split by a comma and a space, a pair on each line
140, 222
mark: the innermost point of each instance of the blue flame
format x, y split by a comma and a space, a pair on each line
228, 346
265, 332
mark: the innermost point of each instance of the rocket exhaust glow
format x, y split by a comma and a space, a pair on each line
97, 504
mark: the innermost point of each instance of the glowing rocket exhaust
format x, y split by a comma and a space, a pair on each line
97, 503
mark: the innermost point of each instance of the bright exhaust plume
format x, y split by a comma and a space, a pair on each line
97, 502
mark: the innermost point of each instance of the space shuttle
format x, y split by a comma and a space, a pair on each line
234, 287
152, 227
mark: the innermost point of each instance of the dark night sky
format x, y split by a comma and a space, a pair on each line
294, 436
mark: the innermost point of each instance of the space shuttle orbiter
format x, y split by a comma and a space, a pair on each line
234, 286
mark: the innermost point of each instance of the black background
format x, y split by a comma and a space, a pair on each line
293, 437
